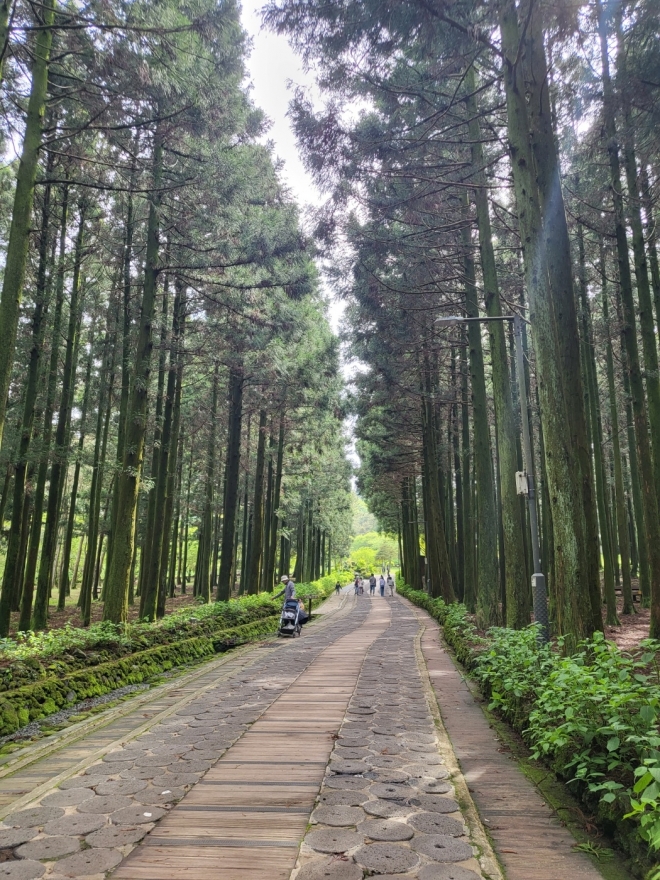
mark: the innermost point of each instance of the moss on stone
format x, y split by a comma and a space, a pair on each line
47, 696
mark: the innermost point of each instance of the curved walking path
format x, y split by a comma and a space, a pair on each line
318, 758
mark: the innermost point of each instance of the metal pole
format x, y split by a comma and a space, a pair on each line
538, 579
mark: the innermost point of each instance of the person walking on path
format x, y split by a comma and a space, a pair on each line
357, 585
390, 584
382, 585
337, 588
372, 584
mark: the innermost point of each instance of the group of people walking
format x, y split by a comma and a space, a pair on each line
358, 584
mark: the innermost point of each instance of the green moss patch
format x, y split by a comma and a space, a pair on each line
43, 698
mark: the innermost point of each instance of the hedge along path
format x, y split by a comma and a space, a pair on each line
32, 772
530, 840
42, 698
248, 814
20, 758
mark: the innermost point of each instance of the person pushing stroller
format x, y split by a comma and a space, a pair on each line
295, 608
289, 589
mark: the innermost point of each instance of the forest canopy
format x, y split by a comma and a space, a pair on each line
171, 409
484, 163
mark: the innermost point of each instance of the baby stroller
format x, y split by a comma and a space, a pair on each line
290, 619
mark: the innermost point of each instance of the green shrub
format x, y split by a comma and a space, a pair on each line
31, 657
592, 716
43, 670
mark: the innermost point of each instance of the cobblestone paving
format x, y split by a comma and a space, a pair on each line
89, 824
387, 805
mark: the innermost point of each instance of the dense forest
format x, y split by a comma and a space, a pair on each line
170, 402
482, 161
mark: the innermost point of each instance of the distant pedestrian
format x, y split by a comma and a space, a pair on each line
382, 585
337, 588
357, 585
372, 584
390, 584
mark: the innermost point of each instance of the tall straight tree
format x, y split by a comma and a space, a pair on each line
116, 601
258, 521
517, 588
60, 452
572, 570
232, 474
645, 451
19, 230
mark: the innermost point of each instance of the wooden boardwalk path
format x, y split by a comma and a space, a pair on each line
216, 776
246, 817
39, 767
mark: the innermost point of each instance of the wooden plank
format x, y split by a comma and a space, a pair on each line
211, 833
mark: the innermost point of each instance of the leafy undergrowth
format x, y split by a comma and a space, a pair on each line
66, 666
34, 656
592, 717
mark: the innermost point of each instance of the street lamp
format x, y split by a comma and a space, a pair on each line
525, 478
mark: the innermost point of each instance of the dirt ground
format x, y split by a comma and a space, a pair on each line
634, 627
71, 613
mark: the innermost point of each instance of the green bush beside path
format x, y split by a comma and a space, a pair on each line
45, 672
592, 717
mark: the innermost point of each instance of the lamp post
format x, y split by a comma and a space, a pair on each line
525, 478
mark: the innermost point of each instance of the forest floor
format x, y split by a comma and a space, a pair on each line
634, 627
71, 613
214, 752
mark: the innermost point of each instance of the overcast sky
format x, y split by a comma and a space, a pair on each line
274, 70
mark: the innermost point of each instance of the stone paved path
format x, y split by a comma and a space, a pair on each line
86, 825
246, 817
389, 804
319, 758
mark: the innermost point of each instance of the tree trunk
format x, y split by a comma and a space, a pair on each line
645, 457
619, 493
14, 561
231, 482
154, 521
440, 583
19, 230
60, 459
651, 239
49, 408
204, 586
469, 567
591, 387
258, 518
556, 251
488, 609
572, 571
116, 601
270, 576
105, 393
125, 360
513, 525
154, 597
64, 586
